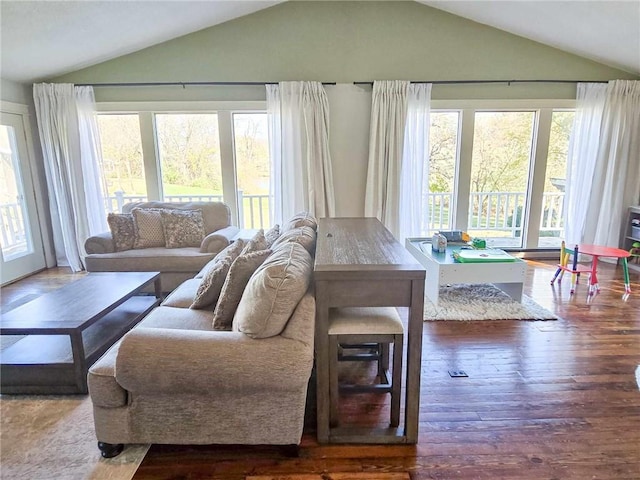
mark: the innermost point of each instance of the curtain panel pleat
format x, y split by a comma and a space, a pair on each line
301, 173
603, 172
72, 158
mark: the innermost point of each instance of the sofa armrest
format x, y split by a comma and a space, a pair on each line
101, 243
216, 241
159, 360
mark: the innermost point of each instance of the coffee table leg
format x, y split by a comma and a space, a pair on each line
79, 361
158, 288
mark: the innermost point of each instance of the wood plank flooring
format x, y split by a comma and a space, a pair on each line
543, 400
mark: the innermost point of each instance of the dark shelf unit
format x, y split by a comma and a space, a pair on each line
632, 214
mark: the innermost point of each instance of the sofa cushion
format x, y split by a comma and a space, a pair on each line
122, 230
182, 228
182, 297
305, 236
302, 219
257, 243
178, 318
273, 292
147, 225
230, 253
239, 274
211, 285
272, 235
188, 259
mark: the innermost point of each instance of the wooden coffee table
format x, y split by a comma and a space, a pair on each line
68, 329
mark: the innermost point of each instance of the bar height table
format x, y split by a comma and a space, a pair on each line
358, 264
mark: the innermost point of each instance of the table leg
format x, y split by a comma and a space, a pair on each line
625, 269
322, 363
594, 287
157, 285
79, 361
414, 361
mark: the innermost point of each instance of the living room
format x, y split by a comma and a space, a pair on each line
348, 45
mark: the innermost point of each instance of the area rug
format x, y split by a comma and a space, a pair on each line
335, 476
44, 437
482, 302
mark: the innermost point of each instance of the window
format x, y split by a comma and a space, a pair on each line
551, 223
189, 155
500, 176
441, 174
122, 161
253, 171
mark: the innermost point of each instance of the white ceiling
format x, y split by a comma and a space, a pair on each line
42, 39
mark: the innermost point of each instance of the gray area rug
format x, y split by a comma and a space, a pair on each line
45, 437
482, 302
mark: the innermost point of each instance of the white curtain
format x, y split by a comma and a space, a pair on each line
301, 174
603, 172
398, 154
72, 157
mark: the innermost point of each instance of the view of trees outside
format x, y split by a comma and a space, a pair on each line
253, 170
122, 164
443, 155
552, 227
500, 173
189, 151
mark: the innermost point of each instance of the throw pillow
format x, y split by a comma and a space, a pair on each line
272, 235
211, 285
302, 219
304, 235
147, 223
230, 253
122, 230
273, 292
182, 228
257, 243
239, 274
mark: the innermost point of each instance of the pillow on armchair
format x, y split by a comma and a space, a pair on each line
122, 230
182, 228
147, 224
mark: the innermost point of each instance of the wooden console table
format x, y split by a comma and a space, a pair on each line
359, 263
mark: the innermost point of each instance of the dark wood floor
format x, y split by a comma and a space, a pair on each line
543, 400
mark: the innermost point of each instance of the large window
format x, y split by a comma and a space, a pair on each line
184, 156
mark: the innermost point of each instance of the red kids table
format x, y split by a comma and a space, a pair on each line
595, 251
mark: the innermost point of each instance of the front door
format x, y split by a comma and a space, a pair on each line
20, 238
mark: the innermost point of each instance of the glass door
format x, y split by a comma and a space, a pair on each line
20, 239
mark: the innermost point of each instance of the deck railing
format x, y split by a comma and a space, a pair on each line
13, 235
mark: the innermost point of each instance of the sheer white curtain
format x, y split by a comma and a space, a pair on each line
301, 174
604, 169
72, 156
398, 154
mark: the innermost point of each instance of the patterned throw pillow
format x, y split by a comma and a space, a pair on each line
182, 228
272, 235
147, 223
122, 230
230, 253
237, 278
211, 285
256, 244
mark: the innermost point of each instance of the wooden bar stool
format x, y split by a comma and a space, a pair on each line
372, 329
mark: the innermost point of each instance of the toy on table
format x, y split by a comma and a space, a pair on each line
635, 251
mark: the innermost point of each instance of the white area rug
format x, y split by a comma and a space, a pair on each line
482, 302
52, 437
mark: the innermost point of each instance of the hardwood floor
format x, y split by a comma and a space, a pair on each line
543, 400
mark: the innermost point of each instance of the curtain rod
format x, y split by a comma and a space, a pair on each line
451, 82
179, 84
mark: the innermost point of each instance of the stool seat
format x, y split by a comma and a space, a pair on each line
360, 325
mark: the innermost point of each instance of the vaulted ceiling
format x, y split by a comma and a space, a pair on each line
44, 39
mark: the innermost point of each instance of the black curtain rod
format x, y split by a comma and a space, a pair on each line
179, 84
452, 82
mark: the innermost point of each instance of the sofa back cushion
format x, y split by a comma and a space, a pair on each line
215, 215
305, 236
273, 292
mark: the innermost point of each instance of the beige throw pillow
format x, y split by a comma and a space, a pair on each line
122, 230
239, 274
256, 244
306, 236
302, 219
147, 224
229, 253
273, 292
272, 235
182, 228
211, 285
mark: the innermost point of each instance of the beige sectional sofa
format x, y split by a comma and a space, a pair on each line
175, 264
176, 379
